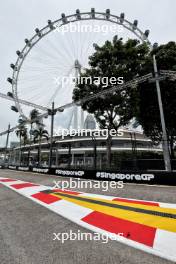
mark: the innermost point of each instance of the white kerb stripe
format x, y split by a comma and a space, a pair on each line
70, 210
165, 242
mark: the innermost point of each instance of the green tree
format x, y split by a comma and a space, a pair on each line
148, 110
39, 134
34, 117
21, 133
113, 59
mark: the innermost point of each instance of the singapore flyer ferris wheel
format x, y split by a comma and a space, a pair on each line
61, 50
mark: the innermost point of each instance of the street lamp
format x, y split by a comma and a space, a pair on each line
7, 142
166, 151
134, 148
95, 150
69, 155
52, 112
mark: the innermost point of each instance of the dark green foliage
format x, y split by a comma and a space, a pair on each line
113, 59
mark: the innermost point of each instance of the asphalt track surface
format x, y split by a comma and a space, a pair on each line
26, 228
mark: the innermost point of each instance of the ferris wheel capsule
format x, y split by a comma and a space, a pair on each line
78, 15
38, 32
64, 19
19, 53
122, 17
28, 43
93, 12
50, 24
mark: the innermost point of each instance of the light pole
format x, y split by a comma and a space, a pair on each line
51, 112
166, 152
69, 155
95, 151
134, 149
7, 142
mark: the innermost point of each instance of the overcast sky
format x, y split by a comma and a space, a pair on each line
19, 18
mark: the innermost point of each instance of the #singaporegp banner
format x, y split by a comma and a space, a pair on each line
144, 177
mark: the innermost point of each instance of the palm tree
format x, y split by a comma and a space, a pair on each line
39, 134
34, 118
21, 132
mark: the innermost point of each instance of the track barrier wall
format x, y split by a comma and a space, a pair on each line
143, 177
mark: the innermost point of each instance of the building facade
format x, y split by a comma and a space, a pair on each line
86, 150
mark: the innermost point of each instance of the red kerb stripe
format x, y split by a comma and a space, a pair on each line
23, 185
131, 230
46, 198
7, 180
